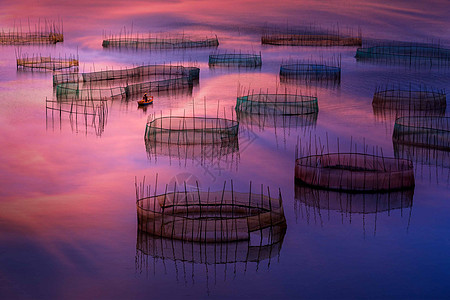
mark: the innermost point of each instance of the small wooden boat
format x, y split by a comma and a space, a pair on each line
144, 102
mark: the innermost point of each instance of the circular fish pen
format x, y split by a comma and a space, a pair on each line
198, 216
433, 132
160, 42
310, 72
46, 63
235, 60
355, 172
278, 104
409, 100
191, 130
316, 40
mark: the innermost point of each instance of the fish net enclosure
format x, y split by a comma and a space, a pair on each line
313, 36
354, 172
410, 53
206, 216
283, 104
88, 85
263, 121
46, 33
309, 71
159, 41
409, 99
46, 63
191, 130
235, 60
353, 203
433, 132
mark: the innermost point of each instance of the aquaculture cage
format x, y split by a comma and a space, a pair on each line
191, 130
313, 72
353, 203
401, 52
235, 60
433, 132
312, 36
46, 63
207, 216
46, 33
409, 100
355, 172
263, 121
159, 41
142, 72
283, 104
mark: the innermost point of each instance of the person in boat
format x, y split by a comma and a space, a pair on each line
145, 98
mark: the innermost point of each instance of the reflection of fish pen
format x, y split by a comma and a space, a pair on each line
315, 203
192, 260
217, 155
206, 216
46, 33
409, 100
88, 113
422, 155
190, 130
276, 121
235, 60
283, 104
408, 53
422, 131
311, 71
46, 63
159, 41
312, 37
354, 172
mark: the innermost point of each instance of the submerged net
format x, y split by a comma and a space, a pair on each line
160, 42
310, 72
423, 131
283, 104
355, 172
353, 203
198, 216
235, 59
46, 63
191, 130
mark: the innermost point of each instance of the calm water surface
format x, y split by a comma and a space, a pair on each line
68, 225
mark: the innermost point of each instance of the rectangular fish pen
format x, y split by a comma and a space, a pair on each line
49, 32
49, 63
208, 216
235, 60
425, 131
159, 41
313, 36
282, 104
190, 130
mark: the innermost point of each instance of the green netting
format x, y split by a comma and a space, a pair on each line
46, 63
359, 203
423, 131
191, 130
355, 172
283, 104
235, 59
310, 72
198, 216
161, 42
